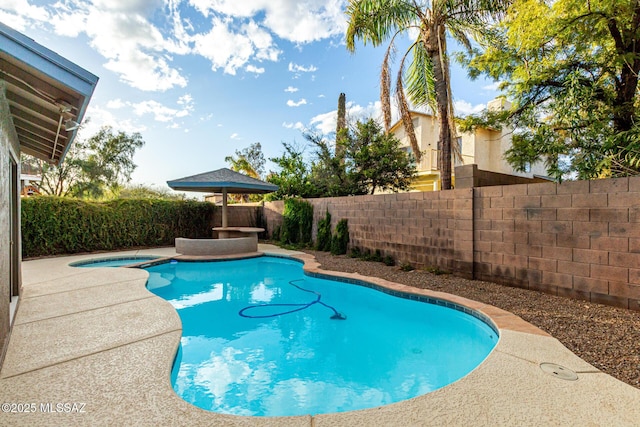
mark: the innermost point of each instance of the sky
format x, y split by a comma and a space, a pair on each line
200, 79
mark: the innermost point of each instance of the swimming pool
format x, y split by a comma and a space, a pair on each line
241, 355
114, 261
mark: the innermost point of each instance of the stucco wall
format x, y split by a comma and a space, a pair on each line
9, 148
468, 176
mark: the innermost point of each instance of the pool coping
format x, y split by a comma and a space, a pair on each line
110, 345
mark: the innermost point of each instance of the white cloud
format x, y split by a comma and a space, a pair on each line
464, 108
297, 21
133, 47
97, 117
162, 113
326, 123
187, 101
295, 68
24, 11
253, 69
229, 49
292, 103
291, 89
116, 104
492, 87
296, 125
234, 136
139, 38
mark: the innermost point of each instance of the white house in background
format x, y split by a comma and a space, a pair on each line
483, 147
43, 97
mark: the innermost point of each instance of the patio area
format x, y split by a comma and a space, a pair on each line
91, 346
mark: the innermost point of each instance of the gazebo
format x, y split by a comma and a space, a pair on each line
223, 181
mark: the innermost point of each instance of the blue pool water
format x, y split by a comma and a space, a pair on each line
387, 349
113, 261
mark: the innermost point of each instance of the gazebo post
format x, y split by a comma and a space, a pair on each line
224, 208
231, 240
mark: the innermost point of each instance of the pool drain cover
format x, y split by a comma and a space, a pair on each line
559, 371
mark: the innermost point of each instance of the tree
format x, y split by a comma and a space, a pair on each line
341, 122
103, 162
328, 169
249, 161
375, 160
58, 180
427, 76
363, 161
294, 177
571, 68
142, 191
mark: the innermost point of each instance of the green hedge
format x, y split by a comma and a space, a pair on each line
55, 225
340, 240
323, 241
297, 220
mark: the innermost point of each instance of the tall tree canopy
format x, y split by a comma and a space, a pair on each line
426, 77
571, 67
294, 177
363, 160
103, 162
375, 160
249, 161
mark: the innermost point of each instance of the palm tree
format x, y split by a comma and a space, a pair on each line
427, 76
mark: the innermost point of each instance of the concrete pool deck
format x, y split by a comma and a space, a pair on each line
96, 338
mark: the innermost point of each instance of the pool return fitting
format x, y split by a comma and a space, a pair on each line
336, 315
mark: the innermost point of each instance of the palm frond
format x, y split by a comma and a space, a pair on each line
460, 34
486, 11
405, 114
385, 88
374, 21
419, 78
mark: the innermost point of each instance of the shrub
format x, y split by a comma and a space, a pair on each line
56, 225
323, 242
276, 233
340, 240
405, 266
436, 270
296, 222
375, 257
355, 252
388, 260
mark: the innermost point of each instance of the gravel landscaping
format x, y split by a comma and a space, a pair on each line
606, 337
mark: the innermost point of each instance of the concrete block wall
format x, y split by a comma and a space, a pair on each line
237, 216
578, 239
425, 229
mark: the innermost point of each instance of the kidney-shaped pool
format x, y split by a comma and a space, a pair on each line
262, 338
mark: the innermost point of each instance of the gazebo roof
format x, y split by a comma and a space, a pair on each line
218, 180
